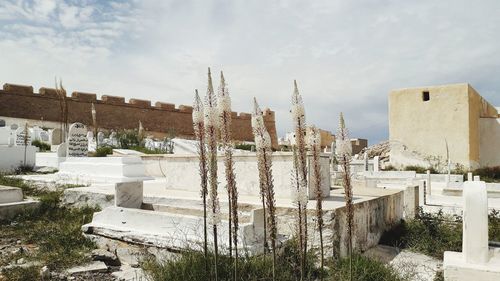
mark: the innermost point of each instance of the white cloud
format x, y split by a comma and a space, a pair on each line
346, 55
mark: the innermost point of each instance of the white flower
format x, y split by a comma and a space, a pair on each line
343, 143
210, 108
223, 98
344, 147
299, 196
263, 141
298, 111
313, 138
211, 117
198, 115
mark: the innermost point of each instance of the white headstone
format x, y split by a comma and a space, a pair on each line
100, 138
90, 136
428, 183
77, 141
61, 150
476, 178
469, 176
475, 223
21, 138
56, 136
376, 163
44, 136
365, 161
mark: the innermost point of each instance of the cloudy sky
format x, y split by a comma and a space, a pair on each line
345, 55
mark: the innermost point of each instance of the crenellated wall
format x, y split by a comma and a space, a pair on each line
18, 101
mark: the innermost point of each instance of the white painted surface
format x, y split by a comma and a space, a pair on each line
48, 159
13, 156
10, 194
456, 269
489, 142
475, 225
103, 169
181, 172
164, 229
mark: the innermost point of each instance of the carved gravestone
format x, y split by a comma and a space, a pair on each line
21, 138
77, 141
44, 136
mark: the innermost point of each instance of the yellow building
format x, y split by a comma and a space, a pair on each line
427, 120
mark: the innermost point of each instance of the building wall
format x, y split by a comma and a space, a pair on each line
423, 126
114, 113
358, 145
456, 113
489, 154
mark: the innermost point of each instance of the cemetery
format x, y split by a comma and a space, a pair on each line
151, 201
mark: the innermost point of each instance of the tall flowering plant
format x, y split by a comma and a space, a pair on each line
199, 130
224, 110
344, 152
300, 153
264, 153
211, 122
314, 144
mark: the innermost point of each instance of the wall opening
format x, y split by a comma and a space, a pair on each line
425, 96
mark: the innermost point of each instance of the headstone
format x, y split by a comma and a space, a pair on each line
112, 139
21, 138
476, 178
61, 150
475, 224
56, 136
14, 127
428, 183
129, 194
90, 136
100, 138
469, 176
376, 163
2, 123
44, 136
365, 162
77, 141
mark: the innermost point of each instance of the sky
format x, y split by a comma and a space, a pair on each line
345, 55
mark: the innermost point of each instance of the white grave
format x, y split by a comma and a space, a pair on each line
12, 202
477, 261
100, 138
77, 141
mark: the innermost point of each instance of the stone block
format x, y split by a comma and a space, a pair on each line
10, 194
164, 105
112, 99
456, 269
21, 89
49, 92
140, 103
185, 108
88, 97
129, 194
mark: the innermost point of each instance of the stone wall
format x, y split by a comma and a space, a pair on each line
113, 112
